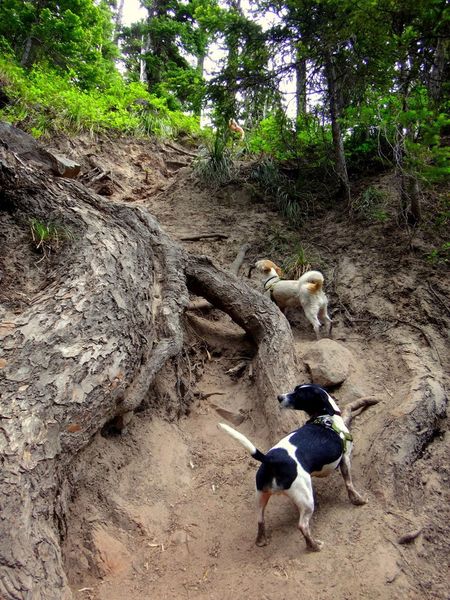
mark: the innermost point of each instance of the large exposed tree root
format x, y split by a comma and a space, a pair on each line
88, 348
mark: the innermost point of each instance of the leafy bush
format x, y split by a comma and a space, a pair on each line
44, 101
215, 162
441, 255
292, 203
371, 205
298, 262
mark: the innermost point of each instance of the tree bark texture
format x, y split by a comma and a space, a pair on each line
276, 368
84, 351
410, 205
300, 86
88, 348
404, 435
439, 69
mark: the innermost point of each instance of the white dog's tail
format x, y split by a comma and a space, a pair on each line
253, 450
312, 280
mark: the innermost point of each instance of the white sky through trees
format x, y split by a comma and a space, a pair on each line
133, 11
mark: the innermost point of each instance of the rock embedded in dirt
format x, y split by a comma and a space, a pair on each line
234, 417
64, 167
111, 556
27, 148
328, 362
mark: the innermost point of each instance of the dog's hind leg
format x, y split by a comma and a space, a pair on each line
325, 317
354, 496
262, 499
302, 496
312, 318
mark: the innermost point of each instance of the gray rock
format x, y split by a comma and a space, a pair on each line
27, 149
328, 362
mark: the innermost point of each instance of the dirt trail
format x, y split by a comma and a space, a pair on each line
167, 510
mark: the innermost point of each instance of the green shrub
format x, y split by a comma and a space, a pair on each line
441, 255
371, 205
215, 161
298, 262
290, 202
44, 101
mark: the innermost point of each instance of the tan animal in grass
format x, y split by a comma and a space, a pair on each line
233, 126
306, 293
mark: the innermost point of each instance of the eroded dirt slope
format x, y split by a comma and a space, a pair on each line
167, 509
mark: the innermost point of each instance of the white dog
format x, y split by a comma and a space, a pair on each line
305, 292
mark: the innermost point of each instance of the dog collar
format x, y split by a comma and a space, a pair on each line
270, 279
327, 421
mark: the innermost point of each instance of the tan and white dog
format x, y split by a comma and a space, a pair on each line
305, 292
233, 126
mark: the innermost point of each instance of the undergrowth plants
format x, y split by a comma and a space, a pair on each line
280, 189
215, 162
299, 261
371, 205
47, 237
295, 258
43, 102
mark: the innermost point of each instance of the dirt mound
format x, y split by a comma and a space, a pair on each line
167, 510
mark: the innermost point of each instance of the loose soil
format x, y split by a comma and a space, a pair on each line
166, 509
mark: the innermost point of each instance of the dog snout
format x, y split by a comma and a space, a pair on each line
281, 397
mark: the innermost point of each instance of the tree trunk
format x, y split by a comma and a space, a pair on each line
145, 46
201, 56
24, 61
118, 22
338, 142
437, 76
88, 348
410, 198
275, 359
300, 86
410, 205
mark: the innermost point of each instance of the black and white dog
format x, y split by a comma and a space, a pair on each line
315, 449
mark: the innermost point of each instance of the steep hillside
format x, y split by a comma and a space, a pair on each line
166, 509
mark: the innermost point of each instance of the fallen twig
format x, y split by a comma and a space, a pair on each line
201, 236
203, 396
352, 409
237, 369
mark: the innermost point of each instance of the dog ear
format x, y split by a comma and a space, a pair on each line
278, 270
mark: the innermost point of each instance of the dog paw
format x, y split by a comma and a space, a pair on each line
261, 541
315, 545
358, 500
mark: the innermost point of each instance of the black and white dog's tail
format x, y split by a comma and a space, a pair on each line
253, 450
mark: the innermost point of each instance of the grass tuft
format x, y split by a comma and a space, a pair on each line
371, 205
48, 237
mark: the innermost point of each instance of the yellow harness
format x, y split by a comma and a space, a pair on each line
327, 421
